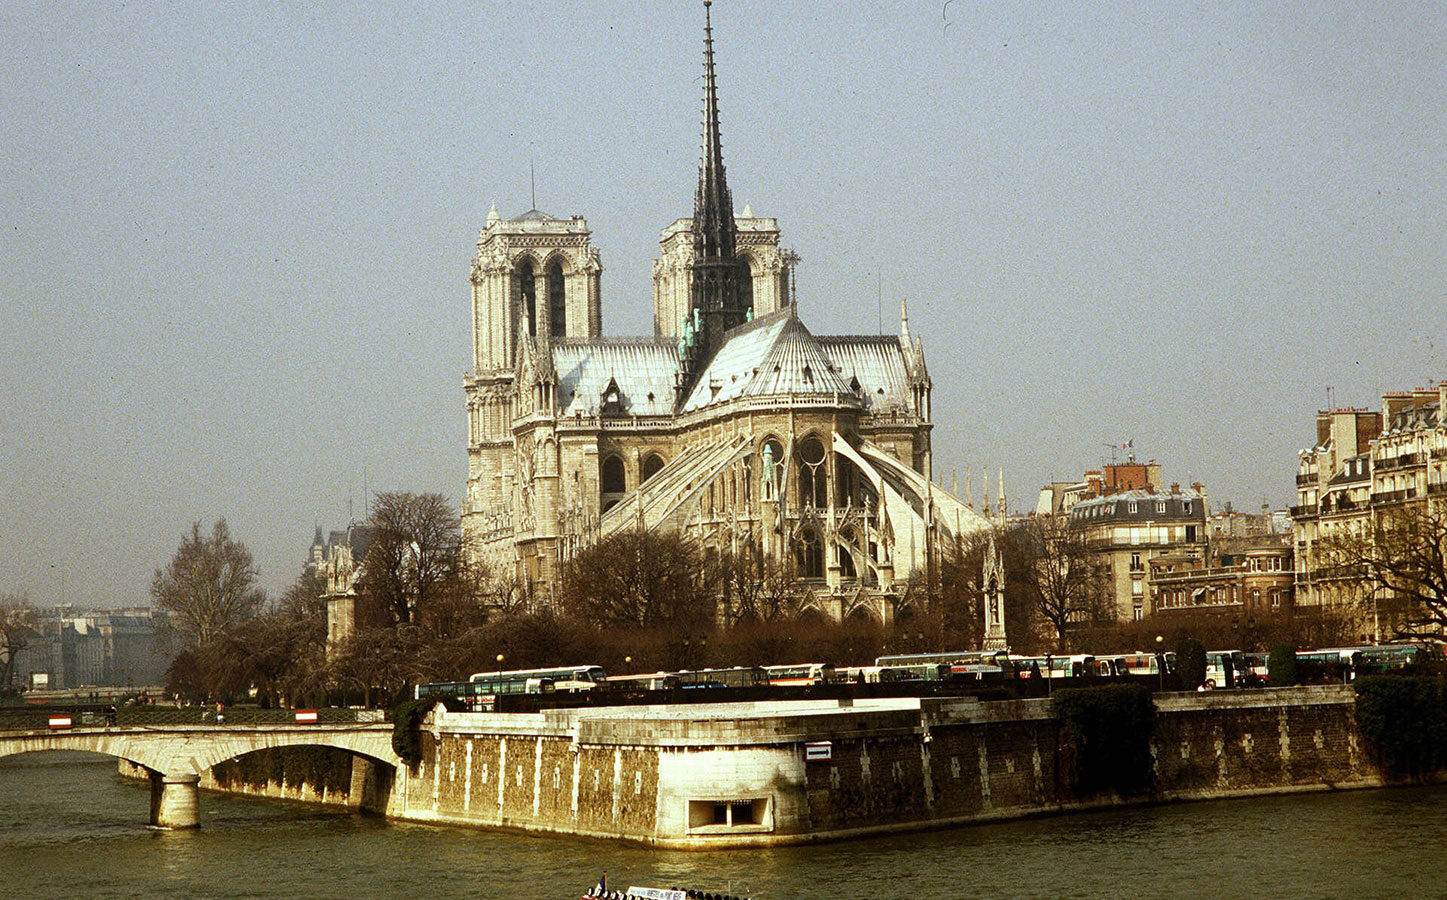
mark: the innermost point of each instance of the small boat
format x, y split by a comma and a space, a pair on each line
600, 891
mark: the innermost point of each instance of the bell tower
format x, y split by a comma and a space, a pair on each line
534, 278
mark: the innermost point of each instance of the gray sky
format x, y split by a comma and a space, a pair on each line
236, 236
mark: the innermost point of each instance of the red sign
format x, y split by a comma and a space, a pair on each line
306, 716
59, 723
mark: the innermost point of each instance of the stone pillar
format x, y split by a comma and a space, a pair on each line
173, 801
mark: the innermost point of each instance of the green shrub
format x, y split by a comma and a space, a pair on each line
1106, 738
1191, 663
1281, 666
1404, 719
407, 719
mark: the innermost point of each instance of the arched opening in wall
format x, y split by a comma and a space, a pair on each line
771, 469
813, 480
525, 293
813, 615
651, 464
612, 482
745, 279
862, 616
809, 553
846, 563
557, 301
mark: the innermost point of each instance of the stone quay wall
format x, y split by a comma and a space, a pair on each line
732, 775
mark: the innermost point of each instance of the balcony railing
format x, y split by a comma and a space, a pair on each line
1298, 512
1305, 478
1387, 463
1394, 496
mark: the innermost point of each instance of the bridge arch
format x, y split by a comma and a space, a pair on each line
177, 757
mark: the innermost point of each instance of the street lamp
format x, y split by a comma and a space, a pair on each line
499, 668
1161, 659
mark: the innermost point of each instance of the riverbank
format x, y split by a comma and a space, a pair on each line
703, 776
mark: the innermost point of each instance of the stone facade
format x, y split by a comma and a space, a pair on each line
1130, 528
1364, 462
734, 775
732, 422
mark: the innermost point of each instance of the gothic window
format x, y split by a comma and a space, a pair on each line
612, 482
813, 486
745, 285
846, 564
557, 301
651, 464
525, 292
809, 554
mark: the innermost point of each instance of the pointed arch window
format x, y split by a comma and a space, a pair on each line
809, 554
557, 300
525, 293
612, 482
745, 282
813, 479
651, 465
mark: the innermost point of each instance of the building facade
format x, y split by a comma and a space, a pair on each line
733, 422
1364, 462
1131, 528
1252, 574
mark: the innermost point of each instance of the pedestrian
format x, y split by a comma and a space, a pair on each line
111, 716
220, 712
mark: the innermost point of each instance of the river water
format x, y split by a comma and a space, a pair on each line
71, 827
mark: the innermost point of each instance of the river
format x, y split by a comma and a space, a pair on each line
71, 827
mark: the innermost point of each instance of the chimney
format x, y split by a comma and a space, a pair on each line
1175, 487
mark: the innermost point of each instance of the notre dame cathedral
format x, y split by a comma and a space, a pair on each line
732, 422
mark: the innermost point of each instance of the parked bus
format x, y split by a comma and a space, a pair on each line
1076, 665
742, 676
1224, 667
963, 657
798, 675
1137, 663
563, 678
651, 681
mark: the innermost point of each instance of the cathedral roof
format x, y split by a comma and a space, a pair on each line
643, 369
876, 363
535, 215
772, 355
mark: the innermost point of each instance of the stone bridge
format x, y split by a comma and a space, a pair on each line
177, 755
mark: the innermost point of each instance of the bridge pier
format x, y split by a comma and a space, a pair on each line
173, 801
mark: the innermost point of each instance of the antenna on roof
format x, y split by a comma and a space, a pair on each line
879, 298
532, 178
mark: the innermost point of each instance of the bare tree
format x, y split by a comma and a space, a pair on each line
17, 626
415, 551
1065, 576
209, 585
757, 588
1400, 561
639, 578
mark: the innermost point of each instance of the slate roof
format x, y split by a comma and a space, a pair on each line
877, 362
774, 354
644, 369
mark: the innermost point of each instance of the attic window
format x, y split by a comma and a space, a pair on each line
808, 375
650, 396
880, 392
776, 368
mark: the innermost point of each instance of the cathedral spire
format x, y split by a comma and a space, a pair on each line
713, 207
716, 294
